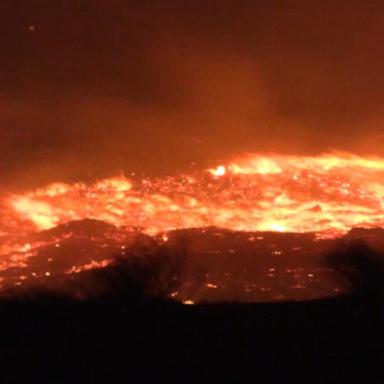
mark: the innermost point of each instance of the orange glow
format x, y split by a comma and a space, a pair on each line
92, 265
219, 171
328, 195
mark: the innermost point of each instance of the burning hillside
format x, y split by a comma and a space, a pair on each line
321, 197
329, 194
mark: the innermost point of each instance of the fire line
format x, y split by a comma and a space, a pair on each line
328, 194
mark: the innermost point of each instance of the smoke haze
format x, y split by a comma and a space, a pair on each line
91, 88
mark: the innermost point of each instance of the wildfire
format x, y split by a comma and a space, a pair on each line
329, 194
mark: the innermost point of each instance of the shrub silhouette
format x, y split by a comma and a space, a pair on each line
362, 266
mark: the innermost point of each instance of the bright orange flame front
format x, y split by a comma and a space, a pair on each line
329, 194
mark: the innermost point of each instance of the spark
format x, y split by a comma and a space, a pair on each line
219, 171
327, 195
253, 193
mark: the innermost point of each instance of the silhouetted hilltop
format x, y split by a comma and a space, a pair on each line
89, 257
120, 321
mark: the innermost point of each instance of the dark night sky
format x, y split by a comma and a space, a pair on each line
92, 87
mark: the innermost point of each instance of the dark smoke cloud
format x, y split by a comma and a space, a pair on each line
90, 88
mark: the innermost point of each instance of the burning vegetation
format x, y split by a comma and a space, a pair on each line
268, 211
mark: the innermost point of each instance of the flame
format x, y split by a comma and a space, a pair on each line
328, 194
218, 171
38, 212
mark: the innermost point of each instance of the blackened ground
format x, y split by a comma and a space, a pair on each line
126, 334
56, 340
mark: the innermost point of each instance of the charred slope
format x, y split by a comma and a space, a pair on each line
192, 265
55, 339
116, 323
126, 332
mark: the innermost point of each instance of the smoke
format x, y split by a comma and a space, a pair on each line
155, 86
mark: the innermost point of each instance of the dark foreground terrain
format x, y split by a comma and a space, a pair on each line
115, 325
62, 341
126, 335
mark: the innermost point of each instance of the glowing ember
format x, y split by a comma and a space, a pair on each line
219, 171
327, 195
